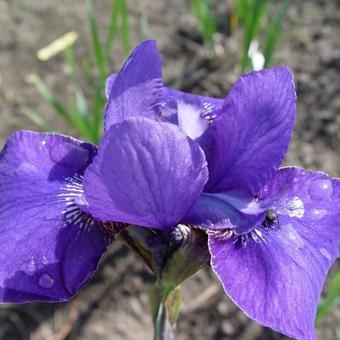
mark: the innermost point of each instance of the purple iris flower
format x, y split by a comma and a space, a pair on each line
273, 233
169, 157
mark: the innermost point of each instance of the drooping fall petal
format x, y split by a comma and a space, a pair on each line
49, 248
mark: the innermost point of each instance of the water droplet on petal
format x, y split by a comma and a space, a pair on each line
29, 267
46, 281
321, 189
294, 208
44, 260
293, 236
42, 144
319, 213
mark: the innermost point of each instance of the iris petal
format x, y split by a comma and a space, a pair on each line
137, 88
275, 274
221, 211
146, 173
48, 247
250, 136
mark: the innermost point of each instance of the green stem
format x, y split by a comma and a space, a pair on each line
162, 327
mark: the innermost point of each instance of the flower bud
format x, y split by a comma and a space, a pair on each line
173, 255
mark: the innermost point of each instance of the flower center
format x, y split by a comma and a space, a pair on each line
258, 234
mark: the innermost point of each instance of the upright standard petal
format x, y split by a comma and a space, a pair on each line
275, 274
250, 136
137, 87
48, 248
146, 173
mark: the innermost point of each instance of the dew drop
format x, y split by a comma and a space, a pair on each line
321, 189
46, 281
295, 208
44, 260
42, 144
294, 236
319, 213
29, 267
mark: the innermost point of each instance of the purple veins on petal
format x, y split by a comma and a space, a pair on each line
244, 146
146, 173
49, 248
250, 135
276, 272
137, 88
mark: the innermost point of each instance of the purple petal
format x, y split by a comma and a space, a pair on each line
250, 136
138, 86
220, 211
109, 83
275, 274
193, 112
146, 173
49, 248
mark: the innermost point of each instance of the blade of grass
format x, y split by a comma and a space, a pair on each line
274, 32
144, 27
78, 106
111, 35
205, 19
98, 103
97, 47
250, 15
81, 102
125, 31
49, 98
72, 117
331, 299
36, 119
70, 60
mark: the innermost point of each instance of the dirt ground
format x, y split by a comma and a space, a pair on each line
115, 303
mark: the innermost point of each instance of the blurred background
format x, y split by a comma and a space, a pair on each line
52, 81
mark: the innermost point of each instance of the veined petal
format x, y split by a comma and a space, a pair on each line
220, 212
250, 136
275, 274
137, 87
146, 173
193, 113
48, 247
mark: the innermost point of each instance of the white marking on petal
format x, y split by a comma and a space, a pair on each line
325, 253
190, 119
319, 213
294, 208
73, 215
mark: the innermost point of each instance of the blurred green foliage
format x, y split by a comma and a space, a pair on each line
83, 112
260, 22
205, 18
331, 299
